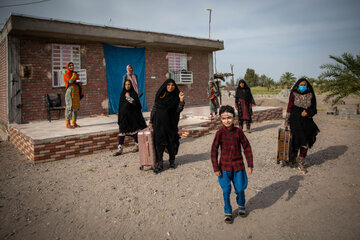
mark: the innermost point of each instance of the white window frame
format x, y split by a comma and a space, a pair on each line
62, 54
177, 65
177, 62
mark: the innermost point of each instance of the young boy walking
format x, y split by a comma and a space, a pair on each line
230, 167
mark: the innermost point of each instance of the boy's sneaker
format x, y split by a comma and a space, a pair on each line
228, 218
242, 212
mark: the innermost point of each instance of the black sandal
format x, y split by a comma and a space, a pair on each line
157, 170
117, 153
228, 218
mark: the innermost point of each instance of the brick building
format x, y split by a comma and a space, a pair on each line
30, 66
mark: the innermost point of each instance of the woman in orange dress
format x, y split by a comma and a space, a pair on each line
72, 96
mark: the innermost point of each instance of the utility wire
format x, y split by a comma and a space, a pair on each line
22, 4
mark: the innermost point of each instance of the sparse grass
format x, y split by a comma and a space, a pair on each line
263, 91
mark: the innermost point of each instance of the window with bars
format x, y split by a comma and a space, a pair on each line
62, 54
177, 62
178, 68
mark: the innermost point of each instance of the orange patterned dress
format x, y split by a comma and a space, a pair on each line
72, 95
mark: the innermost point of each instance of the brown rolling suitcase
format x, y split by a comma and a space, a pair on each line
284, 145
146, 148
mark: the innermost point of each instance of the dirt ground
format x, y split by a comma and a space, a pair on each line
105, 197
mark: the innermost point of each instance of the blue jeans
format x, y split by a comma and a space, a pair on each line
239, 179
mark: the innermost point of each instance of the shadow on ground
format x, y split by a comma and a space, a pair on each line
262, 128
189, 158
272, 193
330, 153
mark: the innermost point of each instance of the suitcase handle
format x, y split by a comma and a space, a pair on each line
147, 146
284, 154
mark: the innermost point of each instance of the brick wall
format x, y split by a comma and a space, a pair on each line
258, 116
204, 128
21, 142
197, 92
156, 65
92, 58
37, 52
3, 85
38, 151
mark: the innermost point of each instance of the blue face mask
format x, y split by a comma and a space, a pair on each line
302, 88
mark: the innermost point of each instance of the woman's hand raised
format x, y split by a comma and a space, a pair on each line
181, 96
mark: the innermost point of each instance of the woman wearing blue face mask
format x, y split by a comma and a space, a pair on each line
299, 115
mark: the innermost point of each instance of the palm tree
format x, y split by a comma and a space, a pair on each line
287, 79
342, 78
268, 83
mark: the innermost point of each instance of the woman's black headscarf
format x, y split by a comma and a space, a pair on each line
164, 99
130, 118
303, 129
244, 93
166, 118
295, 88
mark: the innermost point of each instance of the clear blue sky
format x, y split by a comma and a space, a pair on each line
270, 36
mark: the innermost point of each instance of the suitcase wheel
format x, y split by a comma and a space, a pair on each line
141, 168
278, 161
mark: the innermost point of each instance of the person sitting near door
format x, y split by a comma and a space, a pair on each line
130, 118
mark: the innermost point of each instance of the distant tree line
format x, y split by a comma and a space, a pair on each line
338, 80
254, 80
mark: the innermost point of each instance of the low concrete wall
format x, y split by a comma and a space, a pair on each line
53, 149
215, 124
57, 148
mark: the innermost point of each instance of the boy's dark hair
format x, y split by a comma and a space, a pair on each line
226, 108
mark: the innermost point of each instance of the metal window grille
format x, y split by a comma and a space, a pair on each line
62, 54
177, 62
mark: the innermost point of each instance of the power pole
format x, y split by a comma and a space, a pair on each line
232, 77
209, 9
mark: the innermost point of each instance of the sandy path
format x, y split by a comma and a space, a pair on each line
105, 197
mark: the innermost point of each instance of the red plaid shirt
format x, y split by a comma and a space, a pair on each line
230, 142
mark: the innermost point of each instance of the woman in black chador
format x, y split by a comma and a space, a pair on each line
169, 102
299, 115
130, 118
243, 103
